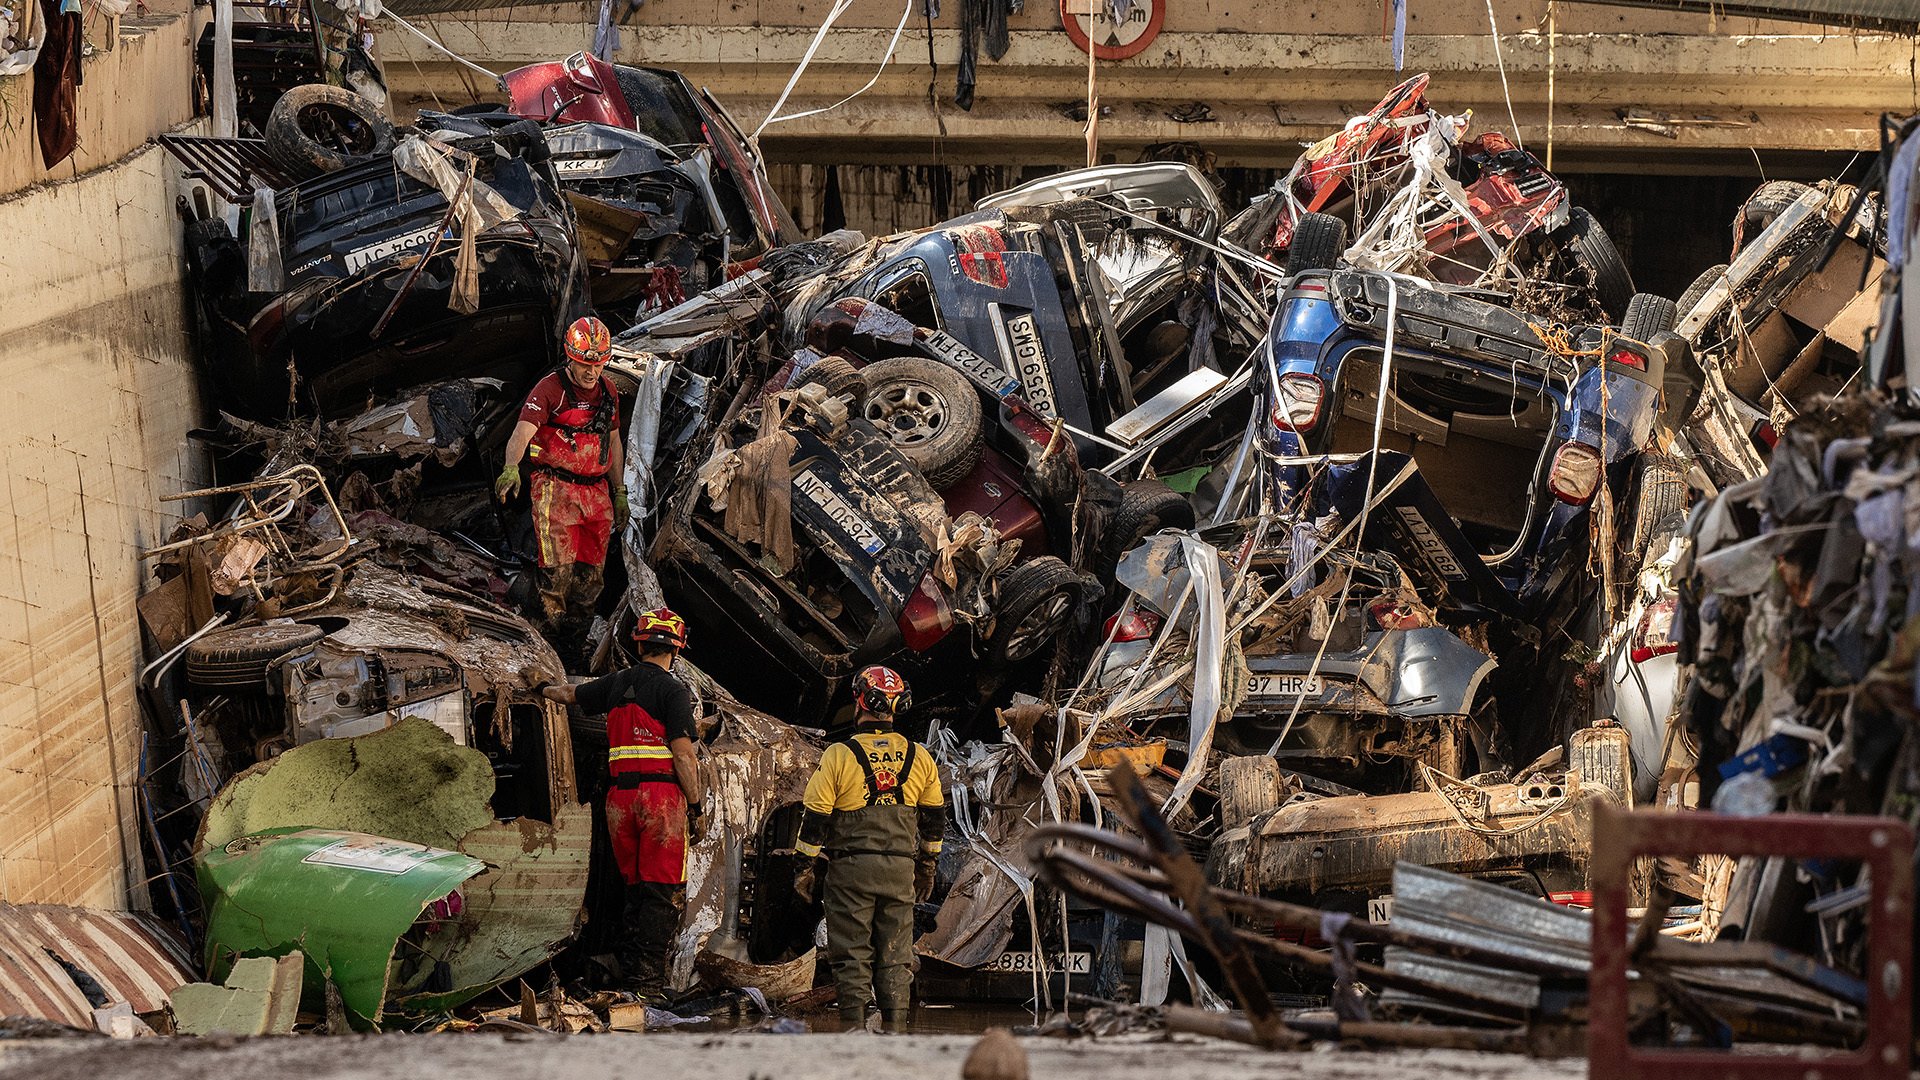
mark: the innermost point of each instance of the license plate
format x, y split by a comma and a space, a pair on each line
840, 512
1029, 361
1285, 685
1380, 909
1432, 548
361, 258
971, 364
575, 166
1021, 963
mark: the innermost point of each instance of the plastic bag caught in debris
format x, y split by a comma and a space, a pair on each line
265, 272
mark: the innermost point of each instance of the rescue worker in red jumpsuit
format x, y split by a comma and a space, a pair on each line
569, 433
874, 816
655, 797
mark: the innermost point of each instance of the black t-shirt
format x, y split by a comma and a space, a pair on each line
664, 697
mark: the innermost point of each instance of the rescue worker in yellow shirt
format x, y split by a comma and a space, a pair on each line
873, 822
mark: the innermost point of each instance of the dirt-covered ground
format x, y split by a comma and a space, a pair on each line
725, 1057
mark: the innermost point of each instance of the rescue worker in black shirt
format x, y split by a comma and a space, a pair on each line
655, 796
873, 820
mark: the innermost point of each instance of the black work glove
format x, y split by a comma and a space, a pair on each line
923, 873
806, 883
696, 822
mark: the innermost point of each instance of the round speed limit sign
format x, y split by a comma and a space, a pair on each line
1091, 25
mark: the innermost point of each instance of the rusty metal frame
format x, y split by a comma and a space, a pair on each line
269, 502
1884, 845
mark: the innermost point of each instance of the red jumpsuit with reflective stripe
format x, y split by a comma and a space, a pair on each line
570, 454
646, 811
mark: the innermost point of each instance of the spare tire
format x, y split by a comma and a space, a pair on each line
1647, 317
929, 412
1318, 242
237, 658
1036, 601
316, 129
1594, 249
1146, 507
840, 378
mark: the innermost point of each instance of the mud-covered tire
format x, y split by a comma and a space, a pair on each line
1767, 203
1660, 509
1699, 288
316, 129
1648, 316
1595, 250
237, 658
1036, 601
1146, 507
929, 412
1318, 241
839, 377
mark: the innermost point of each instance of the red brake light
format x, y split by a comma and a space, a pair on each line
1654, 636
927, 617
1301, 396
1137, 626
1628, 358
1575, 475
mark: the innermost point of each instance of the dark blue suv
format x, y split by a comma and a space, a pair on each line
1495, 432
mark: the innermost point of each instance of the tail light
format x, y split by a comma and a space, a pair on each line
985, 268
1301, 396
1628, 358
1137, 626
1397, 615
1654, 636
927, 617
1576, 473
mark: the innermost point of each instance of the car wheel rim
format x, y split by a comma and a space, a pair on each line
1033, 630
337, 129
909, 413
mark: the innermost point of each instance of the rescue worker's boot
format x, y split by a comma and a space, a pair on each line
895, 1019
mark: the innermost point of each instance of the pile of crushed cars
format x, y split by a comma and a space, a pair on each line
1325, 565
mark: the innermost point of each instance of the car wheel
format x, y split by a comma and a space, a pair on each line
1698, 289
1318, 241
1146, 507
1594, 249
929, 412
1772, 199
317, 129
238, 658
1035, 603
840, 378
1648, 316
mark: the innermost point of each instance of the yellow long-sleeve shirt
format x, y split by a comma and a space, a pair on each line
839, 786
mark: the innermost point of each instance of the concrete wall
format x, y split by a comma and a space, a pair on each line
95, 356
139, 82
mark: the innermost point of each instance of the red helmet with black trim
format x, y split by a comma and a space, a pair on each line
588, 342
881, 691
661, 627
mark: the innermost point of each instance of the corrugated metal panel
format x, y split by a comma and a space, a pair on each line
407, 9
1900, 16
133, 957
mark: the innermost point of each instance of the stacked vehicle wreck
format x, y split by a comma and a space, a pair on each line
1330, 549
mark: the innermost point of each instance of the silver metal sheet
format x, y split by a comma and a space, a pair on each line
133, 957
1165, 407
1449, 908
1512, 987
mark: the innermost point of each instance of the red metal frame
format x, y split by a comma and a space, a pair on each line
1885, 845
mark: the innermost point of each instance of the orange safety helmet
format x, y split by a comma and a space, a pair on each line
881, 691
588, 342
662, 627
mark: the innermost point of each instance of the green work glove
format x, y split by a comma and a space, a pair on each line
508, 484
619, 507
